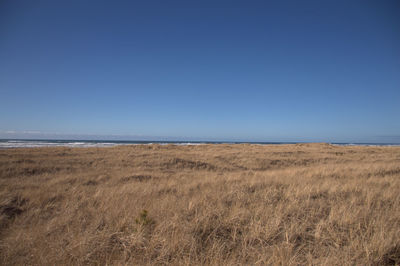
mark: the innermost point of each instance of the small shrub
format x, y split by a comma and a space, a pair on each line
144, 219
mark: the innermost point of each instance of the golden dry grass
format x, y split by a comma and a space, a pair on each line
206, 204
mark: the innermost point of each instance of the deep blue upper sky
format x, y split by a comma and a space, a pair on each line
249, 70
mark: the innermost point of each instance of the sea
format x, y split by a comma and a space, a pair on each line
37, 143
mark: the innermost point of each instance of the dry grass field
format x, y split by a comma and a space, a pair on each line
201, 205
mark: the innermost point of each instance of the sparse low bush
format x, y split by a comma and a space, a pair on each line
143, 218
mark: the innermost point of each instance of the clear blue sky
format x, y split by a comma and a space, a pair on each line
249, 70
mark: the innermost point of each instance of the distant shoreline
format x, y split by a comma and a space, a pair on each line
37, 143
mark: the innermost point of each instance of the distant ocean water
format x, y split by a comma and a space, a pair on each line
28, 143
18, 143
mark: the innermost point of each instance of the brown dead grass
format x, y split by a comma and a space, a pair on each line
206, 204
